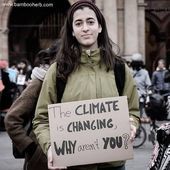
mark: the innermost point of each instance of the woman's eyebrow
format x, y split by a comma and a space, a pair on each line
90, 18
77, 20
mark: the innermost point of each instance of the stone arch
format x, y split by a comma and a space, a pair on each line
166, 28
22, 28
152, 29
153, 18
4, 15
166, 23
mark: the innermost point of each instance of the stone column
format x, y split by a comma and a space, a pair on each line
99, 4
4, 13
4, 44
120, 16
131, 27
141, 28
72, 1
110, 13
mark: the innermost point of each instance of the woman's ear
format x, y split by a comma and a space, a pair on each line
73, 34
100, 29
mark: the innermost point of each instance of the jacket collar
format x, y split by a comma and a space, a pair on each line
90, 57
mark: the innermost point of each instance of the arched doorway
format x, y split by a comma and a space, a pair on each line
168, 44
34, 28
151, 33
157, 29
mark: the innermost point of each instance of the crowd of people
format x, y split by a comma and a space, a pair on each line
83, 53
158, 83
14, 79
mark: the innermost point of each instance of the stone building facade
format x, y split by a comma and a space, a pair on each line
157, 32
130, 25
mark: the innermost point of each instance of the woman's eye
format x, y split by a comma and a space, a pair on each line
78, 24
90, 22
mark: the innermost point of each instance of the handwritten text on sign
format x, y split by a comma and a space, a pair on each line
90, 131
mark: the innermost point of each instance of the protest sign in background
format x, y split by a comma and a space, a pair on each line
90, 131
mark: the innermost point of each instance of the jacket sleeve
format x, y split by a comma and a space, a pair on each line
147, 80
154, 80
47, 96
130, 91
21, 112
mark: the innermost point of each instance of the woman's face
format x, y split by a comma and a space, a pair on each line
86, 28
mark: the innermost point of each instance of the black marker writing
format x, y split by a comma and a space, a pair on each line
67, 147
92, 108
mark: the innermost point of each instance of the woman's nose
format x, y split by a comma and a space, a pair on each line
85, 27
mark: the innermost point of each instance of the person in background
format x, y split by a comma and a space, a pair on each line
6, 98
1, 85
13, 72
22, 66
142, 79
22, 112
3, 65
158, 82
6, 92
85, 61
167, 76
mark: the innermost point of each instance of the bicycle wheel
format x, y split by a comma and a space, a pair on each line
140, 137
153, 133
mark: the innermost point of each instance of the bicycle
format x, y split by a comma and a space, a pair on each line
140, 137
141, 134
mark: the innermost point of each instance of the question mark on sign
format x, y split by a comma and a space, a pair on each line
126, 138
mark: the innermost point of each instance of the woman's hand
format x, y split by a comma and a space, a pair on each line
50, 161
132, 130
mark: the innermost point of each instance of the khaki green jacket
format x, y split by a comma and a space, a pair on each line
89, 81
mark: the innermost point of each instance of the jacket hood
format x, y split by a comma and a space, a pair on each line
39, 73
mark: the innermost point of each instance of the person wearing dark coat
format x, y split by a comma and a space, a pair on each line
22, 112
6, 98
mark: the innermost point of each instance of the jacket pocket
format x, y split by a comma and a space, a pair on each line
37, 161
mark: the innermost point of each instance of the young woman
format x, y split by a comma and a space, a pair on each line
85, 61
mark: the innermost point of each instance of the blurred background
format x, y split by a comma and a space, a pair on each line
28, 26
137, 26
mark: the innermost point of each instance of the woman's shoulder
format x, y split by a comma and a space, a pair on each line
53, 65
52, 68
51, 74
144, 71
120, 60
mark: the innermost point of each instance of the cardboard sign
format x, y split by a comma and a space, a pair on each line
90, 131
